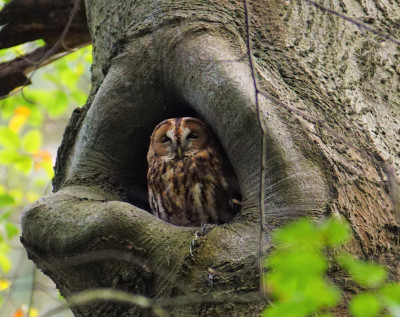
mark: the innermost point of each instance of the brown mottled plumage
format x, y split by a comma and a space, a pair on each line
186, 178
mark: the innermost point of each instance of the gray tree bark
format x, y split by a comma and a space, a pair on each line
329, 102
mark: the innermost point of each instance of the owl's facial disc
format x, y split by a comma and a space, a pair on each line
194, 136
180, 137
163, 139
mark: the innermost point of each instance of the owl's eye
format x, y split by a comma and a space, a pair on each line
166, 140
192, 136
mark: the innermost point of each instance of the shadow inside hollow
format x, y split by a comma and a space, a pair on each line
134, 181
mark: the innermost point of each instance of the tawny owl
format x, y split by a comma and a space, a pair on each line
187, 179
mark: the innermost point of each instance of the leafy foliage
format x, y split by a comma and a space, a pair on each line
28, 121
297, 266
296, 276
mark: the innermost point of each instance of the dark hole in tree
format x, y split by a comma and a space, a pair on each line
135, 179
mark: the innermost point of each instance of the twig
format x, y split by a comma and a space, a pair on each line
156, 305
28, 312
263, 149
57, 44
386, 36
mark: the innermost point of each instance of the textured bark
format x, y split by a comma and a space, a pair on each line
332, 145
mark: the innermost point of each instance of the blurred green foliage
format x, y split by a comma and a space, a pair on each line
297, 280
29, 121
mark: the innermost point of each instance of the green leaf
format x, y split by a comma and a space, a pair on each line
287, 310
41, 183
299, 233
24, 164
6, 200
31, 141
17, 194
78, 96
58, 105
298, 262
309, 296
296, 276
21, 162
48, 168
36, 117
38, 95
9, 156
5, 263
8, 138
5, 215
69, 78
365, 305
390, 294
11, 230
40, 43
335, 232
367, 274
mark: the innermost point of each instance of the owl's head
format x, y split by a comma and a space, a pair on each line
178, 138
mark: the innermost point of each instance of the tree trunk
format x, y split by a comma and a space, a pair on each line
328, 100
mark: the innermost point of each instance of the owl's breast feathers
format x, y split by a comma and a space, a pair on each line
190, 191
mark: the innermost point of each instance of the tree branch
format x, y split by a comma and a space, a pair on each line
27, 20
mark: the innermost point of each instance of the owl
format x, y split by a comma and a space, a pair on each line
187, 176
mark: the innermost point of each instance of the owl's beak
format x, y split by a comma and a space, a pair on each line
179, 151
